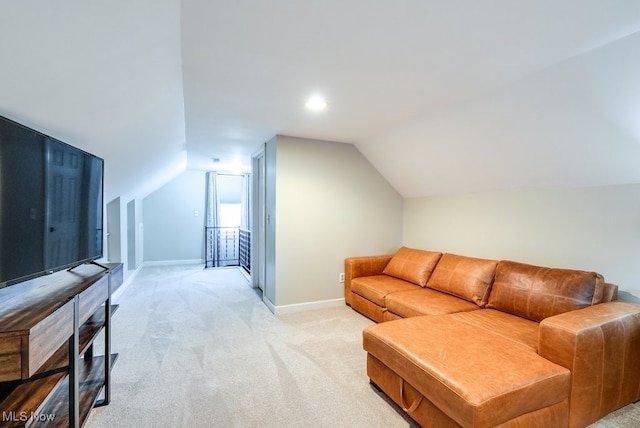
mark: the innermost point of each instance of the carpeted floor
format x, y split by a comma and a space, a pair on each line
198, 348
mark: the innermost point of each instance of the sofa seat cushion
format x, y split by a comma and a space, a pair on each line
412, 265
536, 292
520, 330
374, 288
477, 377
465, 277
425, 301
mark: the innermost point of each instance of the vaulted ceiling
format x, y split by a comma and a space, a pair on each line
440, 96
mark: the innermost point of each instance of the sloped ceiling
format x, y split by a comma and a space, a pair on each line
440, 96
102, 76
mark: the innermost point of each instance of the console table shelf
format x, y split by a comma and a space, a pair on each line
42, 323
91, 384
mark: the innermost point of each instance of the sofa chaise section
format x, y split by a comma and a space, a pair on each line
473, 376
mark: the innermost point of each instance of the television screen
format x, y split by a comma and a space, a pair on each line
50, 204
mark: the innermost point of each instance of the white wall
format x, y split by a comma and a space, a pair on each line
591, 228
330, 204
172, 229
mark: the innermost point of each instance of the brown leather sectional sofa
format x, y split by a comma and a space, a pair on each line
483, 343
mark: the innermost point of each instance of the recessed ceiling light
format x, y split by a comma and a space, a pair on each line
316, 103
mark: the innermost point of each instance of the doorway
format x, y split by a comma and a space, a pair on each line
227, 224
259, 215
114, 249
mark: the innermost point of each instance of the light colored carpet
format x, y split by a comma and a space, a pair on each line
198, 348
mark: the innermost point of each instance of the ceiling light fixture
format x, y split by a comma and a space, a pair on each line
316, 103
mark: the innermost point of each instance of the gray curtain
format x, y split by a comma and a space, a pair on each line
212, 202
245, 222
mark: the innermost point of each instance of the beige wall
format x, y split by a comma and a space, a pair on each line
595, 228
330, 204
270, 226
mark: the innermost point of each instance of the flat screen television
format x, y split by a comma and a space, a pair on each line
51, 207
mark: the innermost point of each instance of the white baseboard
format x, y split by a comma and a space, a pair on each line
269, 304
245, 274
174, 262
127, 281
286, 309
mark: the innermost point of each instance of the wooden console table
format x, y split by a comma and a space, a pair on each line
48, 372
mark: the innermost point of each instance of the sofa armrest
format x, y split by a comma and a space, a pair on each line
610, 292
355, 267
600, 346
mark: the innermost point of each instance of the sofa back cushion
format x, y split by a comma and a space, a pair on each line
536, 293
412, 265
465, 277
